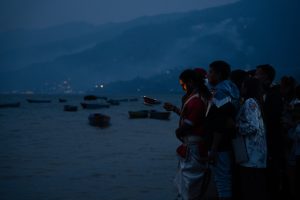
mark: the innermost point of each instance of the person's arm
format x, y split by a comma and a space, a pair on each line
170, 107
176, 110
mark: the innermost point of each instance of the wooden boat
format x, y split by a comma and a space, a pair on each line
62, 100
90, 97
98, 119
94, 97
10, 105
38, 101
123, 100
159, 115
70, 108
151, 101
138, 114
94, 105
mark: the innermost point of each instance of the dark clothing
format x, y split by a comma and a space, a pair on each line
220, 120
272, 110
253, 183
297, 189
220, 128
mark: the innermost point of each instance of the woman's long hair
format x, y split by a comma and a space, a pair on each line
198, 81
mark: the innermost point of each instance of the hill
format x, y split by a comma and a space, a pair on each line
245, 34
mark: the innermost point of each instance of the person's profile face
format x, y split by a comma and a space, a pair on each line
183, 85
260, 75
212, 77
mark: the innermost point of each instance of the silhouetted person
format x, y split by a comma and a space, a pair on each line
287, 91
200, 83
251, 128
296, 117
238, 76
220, 126
251, 73
272, 108
192, 166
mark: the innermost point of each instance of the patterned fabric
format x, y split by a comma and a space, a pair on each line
250, 125
226, 91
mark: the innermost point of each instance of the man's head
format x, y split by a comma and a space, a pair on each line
218, 71
266, 74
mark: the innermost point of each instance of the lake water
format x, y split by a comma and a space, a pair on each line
46, 153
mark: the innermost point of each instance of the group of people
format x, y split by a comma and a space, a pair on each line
222, 105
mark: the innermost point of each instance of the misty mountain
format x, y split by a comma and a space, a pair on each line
163, 82
34, 46
245, 34
47, 44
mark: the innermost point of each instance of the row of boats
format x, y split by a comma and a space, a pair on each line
147, 101
102, 121
95, 105
98, 119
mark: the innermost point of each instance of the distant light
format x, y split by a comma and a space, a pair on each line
96, 86
138, 89
102, 86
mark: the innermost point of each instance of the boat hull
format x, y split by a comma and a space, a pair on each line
159, 115
94, 105
138, 114
99, 120
10, 105
70, 108
38, 101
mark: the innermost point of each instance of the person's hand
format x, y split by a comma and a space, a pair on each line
168, 106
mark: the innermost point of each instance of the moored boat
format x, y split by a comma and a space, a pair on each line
70, 108
62, 100
10, 105
94, 105
89, 97
99, 120
138, 114
38, 101
151, 101
159, 115
94, 97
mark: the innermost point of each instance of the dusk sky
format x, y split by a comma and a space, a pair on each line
30, 14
